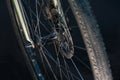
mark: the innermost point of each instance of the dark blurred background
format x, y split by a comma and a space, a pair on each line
107, 13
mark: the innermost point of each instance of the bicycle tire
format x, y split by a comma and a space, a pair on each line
92, 38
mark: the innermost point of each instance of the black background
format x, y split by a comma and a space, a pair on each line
107, 13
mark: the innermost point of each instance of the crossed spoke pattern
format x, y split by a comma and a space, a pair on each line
54, 65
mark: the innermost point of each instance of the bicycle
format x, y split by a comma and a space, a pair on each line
60, 39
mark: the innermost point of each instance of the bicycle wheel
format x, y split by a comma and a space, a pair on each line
60, 39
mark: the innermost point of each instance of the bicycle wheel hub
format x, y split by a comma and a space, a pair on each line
65, 45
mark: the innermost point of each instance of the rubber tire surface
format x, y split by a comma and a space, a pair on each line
92, 39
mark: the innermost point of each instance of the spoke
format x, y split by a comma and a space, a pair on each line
82, 63
69, 71
50, 66
43, 25
32, 13
68, 77
60, 70
48, 54
57, 54
73, 76
37, 17
43, 64
51, 36
67, 10
43, 14
58, 64
77, 69
81, 48
64, 74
